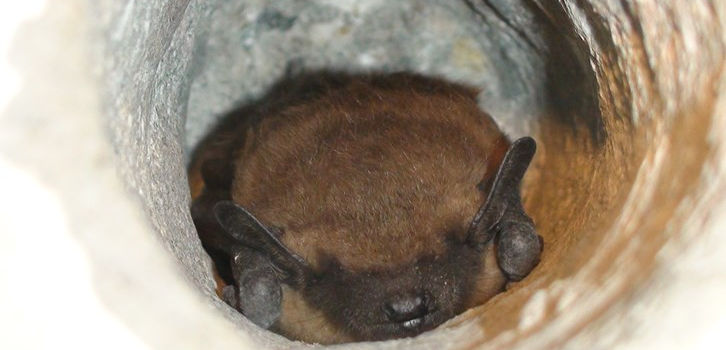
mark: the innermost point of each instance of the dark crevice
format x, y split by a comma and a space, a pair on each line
501, 17
571, 83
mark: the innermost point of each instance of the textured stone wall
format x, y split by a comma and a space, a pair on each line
104, 100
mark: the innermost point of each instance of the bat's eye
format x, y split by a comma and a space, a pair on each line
407, 310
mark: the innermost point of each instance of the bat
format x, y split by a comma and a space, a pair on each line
362, 207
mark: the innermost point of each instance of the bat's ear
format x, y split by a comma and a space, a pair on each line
245, 228
504, 193
258, 293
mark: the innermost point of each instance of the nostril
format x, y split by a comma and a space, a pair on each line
406, 308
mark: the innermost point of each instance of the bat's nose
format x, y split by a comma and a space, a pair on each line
407, 310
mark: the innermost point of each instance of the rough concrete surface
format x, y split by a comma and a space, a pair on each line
245, 46
102, 101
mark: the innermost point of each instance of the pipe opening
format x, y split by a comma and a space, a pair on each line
578, 77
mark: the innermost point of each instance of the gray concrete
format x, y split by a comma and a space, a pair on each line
242, 47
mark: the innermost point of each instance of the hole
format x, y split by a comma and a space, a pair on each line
531, 72
601, 191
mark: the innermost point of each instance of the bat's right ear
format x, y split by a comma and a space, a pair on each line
502, 216
504, 193
245, 228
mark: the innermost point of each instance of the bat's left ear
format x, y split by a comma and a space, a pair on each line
245, 228
502, 215
258, 293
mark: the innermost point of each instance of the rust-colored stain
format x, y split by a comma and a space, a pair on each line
605, 211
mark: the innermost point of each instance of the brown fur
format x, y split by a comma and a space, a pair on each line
364, 167
375, 171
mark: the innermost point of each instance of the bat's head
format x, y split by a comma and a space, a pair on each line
407, 299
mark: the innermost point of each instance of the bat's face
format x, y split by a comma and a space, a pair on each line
388, 302
404, 300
